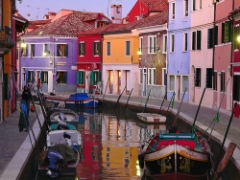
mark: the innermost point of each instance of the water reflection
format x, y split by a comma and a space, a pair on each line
111, 145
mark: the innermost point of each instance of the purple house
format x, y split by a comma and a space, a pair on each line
49, 53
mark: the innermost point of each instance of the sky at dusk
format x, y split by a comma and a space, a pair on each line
38, 8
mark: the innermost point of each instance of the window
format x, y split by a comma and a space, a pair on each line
172, 83
140, 44
236, 32
164, 44
108, 48
25, 51
151, 76
172, 43
209, 72
127, 48
172, 10
61, 77
236, 87
95, 77
185, 83
196, 40
30, 77
44, 77
46, 52
141, 76
80, 77
226, 32
198, 77
32, 50
222, 81
152, 42
62, 50
194, 5
185, 41
96, 48
185, 7
215, 81
212, 37
81, 50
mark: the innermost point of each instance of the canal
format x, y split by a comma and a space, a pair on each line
112, 140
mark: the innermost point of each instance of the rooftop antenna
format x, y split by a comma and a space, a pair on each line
37, 13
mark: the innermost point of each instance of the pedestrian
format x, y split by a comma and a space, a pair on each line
26, 97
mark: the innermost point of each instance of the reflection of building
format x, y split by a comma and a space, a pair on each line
120, 147
90, 127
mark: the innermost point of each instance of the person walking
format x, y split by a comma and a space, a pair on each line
26, 97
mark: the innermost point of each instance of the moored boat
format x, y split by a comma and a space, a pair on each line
176, 156
151, 118
66, 114
74, 100
62, 154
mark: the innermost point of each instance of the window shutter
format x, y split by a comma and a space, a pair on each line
98, 47
5, 77
66, 50
209, 78
223, 27
193, 40
236, 87
210, 39
99, 76
229, 31
199, 38
216, 35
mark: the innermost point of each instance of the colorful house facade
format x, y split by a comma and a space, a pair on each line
178, 52
201, 50
235, 63
152, 55
223, 57
49, 58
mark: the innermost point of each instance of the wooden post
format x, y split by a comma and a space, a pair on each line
224, 162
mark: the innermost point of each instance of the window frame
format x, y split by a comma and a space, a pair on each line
209, 83
44, 77
185, 42
171, 83
223, 80
164, 50
185, 5
198, 75
172, 43
81, 48
64, 49
96, 48
196, 40
127, 48
108, 48
173, 10
152, 44
64, 76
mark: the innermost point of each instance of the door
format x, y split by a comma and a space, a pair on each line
50, 81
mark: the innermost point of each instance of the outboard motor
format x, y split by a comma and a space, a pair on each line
54, 158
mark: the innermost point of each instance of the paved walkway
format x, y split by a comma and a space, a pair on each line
15, 145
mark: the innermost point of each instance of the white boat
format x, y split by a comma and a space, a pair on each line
64, 115
151, 117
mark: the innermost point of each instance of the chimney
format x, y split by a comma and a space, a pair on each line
116, 14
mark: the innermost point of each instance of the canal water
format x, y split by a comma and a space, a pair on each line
112, 141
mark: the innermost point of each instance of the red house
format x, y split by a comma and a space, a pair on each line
90, 59
144, 8
235, 16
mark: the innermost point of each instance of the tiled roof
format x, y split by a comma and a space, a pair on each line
101, 30
69, 25
154, 20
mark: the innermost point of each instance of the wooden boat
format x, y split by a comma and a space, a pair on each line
175, 156
62, 155
151, 118
66, 114
74, 100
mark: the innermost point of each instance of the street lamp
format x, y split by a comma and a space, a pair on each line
23, 44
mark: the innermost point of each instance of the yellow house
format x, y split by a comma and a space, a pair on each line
120, 62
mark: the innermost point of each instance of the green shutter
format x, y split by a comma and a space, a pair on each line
223, 24
91, 78
99, 76
210, 38
193, 40
99, 46
229, 31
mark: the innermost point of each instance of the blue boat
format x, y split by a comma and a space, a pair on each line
74, 100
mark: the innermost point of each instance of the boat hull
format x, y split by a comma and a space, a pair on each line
176, 161
151, 118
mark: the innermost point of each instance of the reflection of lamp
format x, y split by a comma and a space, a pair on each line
238, 38
140, 51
